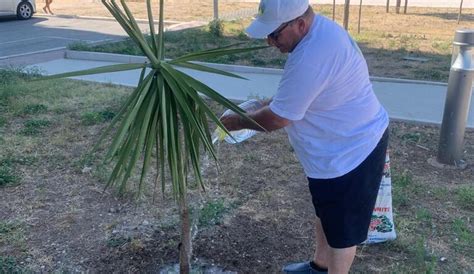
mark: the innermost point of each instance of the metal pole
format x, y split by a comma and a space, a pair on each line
460, 12
458, 98
333, 10
360, 15
345, 22
216, 9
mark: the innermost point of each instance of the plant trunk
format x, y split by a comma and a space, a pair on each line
406, 7
399, 3
460, 12
346, 14
333, 10
185, 247
360, 15
387, 8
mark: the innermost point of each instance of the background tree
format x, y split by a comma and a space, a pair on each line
406, 7
387, 7
397, 9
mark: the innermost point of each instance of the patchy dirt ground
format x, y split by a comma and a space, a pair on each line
255, 217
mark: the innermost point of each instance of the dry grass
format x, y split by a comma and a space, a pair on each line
182, 10
386, 39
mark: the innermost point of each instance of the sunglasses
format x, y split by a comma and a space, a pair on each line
274, 35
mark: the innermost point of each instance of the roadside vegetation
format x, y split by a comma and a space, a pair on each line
412, 46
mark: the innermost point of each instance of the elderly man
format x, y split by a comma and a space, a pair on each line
334, 122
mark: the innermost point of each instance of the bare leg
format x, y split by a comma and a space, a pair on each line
340, 260
49, 3
321, 256
337, 260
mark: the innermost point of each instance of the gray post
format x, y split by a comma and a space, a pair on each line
216, 9
458, 98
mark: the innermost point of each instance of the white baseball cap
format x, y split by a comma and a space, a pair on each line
273, 13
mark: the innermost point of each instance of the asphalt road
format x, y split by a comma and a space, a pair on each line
43, 34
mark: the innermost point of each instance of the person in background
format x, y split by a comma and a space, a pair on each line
334, 122
47, 7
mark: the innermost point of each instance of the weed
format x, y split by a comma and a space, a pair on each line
402, 188
423, 215
34, 109
212, 212
7, 227
430, 74
465, 197
12, 233
216, 28
423, 259
440, 193
116, 241
8, 177
34, 127
93, 118
414, 137
403, 180
9, 265
464, 236
443, 46
3, 121
79, 46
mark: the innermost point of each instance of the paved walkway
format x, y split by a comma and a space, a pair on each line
404, 100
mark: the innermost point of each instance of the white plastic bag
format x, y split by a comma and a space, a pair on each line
381, 227
238, 135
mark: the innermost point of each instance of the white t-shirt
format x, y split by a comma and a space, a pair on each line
336, 119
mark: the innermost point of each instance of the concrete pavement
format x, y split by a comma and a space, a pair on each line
45, 34
404, 99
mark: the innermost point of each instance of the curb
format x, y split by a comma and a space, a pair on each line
127, 59
172, 22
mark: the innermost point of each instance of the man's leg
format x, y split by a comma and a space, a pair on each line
321, 255
340, 260
337, 260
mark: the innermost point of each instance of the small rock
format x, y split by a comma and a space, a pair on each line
145, 222
112, 210
115, 232
443, 259
86, 169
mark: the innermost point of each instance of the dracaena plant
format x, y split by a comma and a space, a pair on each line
165, 117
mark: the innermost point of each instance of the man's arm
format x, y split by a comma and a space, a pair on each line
264, 117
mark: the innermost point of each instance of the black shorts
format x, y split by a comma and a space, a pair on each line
345, 204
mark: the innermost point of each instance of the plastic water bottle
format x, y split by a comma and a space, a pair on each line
239, 135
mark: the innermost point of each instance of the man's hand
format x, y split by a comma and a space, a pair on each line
264, 117
232, 122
